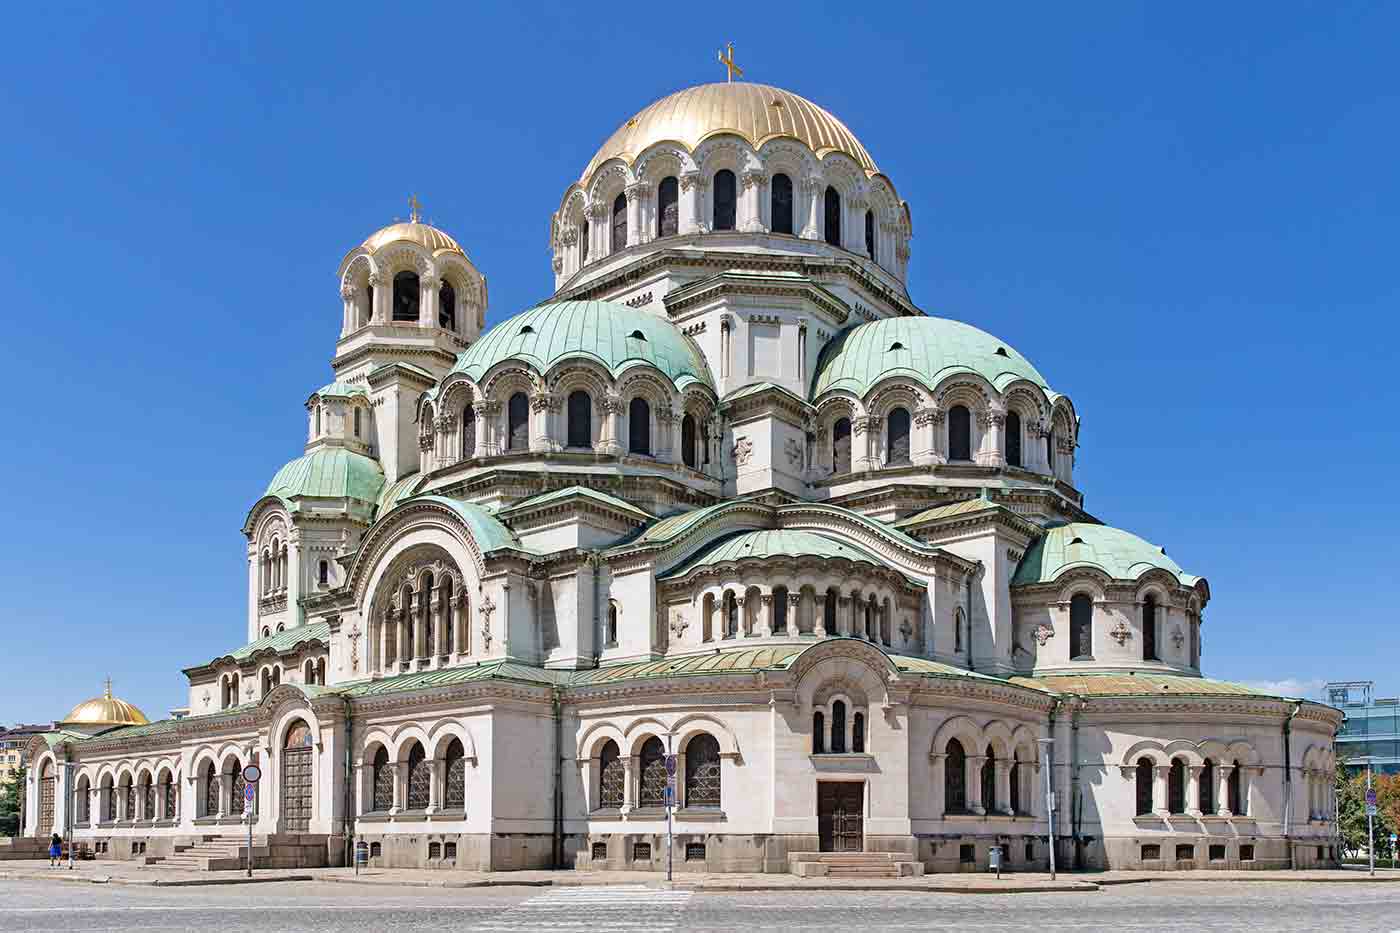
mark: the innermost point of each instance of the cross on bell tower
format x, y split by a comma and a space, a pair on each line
413, 208
727, 60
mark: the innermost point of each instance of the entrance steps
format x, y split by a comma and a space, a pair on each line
853, 865
214, 853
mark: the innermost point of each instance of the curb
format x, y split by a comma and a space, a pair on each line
1085, 888
152, 882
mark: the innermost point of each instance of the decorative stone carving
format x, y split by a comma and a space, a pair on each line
1178, 637
794, 452
1043, 633
678, 624
1120, 633
354, 638
743, 451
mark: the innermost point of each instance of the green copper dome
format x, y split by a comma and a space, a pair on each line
611, 335
1118, 553
926, 349
779, 543
329, 473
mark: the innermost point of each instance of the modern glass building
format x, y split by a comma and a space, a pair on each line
1372, 726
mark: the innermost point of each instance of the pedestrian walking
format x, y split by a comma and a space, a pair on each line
55, 851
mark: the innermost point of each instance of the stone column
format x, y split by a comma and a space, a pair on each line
1193, 790
692, 206
1003, 784
739, 600
540, 440
435, 606
794, 599
400, 797
383, 297
350, 311
1222, 789
634, 195
610, 413
765, 616
842, 613
1159, 789
427, 301
435, 775
813, 188
990, 451
726, 337
629, 787
975, 803
819, 614
751, 201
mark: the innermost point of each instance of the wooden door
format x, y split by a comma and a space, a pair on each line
841, 816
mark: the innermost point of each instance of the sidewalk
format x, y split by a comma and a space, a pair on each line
104, 872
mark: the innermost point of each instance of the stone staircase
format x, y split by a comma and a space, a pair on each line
853, 865
213, 853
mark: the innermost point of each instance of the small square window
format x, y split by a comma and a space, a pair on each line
641, 851
375, 850
1321, 853
1217, 853
695, 851
967, 854
1246, 853
434, 850
449, 850
1030, 851
1185, 852
600, 851
1151, 853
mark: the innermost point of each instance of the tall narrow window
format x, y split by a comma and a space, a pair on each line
619, 223
731, 615
580, 419
611, 633
1014, 804
639, 427
833, 216
323, 573
406, 297
838, 726
1206, 803
959, 433
870, 234
425, 613
468, 432
989, 780
583, 241
449, 626
667, 207
653, 764
518, 416
702, 772
1013, 439
705, 444
1144, 786
841, 446
1149, 628
447, 307
357, 422
780, 610
858, 732
454, 790
725, 199
898, 444
818, 733
955, 778
1081, 627
959, 622
1050, 452
1176, 786
318, 420
1234, 791
419, 778
829, 613
369, 303
688, 441
611, 777
781, 207
211, 794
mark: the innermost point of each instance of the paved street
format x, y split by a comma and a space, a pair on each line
1257, 907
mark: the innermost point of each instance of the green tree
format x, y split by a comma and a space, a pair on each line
1351, 811
12, 802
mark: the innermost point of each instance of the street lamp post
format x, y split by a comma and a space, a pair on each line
1370, 816
1046, 745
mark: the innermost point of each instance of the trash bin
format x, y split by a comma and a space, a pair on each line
361, 855
994, 860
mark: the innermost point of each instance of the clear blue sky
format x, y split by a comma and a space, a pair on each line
1184, 215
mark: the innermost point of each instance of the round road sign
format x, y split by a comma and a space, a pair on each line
252, 774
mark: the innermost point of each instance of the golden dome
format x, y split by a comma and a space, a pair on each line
105, 710
429, 237
756, 112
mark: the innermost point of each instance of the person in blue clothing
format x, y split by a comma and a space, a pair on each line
55, 851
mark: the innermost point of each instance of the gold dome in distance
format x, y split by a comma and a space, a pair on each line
105, 710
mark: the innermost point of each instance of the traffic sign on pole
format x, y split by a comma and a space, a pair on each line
1370, 798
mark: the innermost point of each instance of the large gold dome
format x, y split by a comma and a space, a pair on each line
756, 112
425, 235
105, 710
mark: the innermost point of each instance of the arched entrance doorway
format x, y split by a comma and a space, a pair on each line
46, 794
297, 753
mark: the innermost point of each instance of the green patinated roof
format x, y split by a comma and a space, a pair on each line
485, 528
569, 492
1120, 554
1105, 685
933, 349
281, 641
329, 473
339, 390
426, 680
757, 387
965, 507
396, 492
591, 330
766, 544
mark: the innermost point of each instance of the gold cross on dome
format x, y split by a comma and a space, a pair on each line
728, 62
413, 208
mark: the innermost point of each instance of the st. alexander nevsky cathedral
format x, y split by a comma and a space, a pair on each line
729, 505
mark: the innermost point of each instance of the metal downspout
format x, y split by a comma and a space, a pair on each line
1050, 763
1288, 780
1076, 800
967, 614
348, 822
558, 780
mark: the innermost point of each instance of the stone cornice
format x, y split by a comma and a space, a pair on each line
728, 284
396, 370
353, 357
767, 401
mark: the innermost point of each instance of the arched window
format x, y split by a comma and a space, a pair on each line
841, 446
583, 241
870, 234
236, 788
829, 613
447, 307
425, 612
357, 421
639, 427
1207, 792
818, 733
309, 673
1050, 451
318, 420
702, 772
406, 622
725, 199
780, 610
454, 791
323, 573
838, 727
382, 798
781, 207
1081, 627
211, 793
580, 419
369, 303
1015, 802
1013, 439
833, 216
1176, 786
989, 780
897, 446
653, 763
667, 207
468, 432
419, 778
619, 223
871, 631
406, 297
148, 798
688, 452
959, 433
611, 777
449, 623
1149, 628
1234, 791
611, 633
84, 801
1144, 786
955, 778
858, 732
518, 422
731, 615
959, 621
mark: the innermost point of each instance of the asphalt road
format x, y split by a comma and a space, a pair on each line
1161, 907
